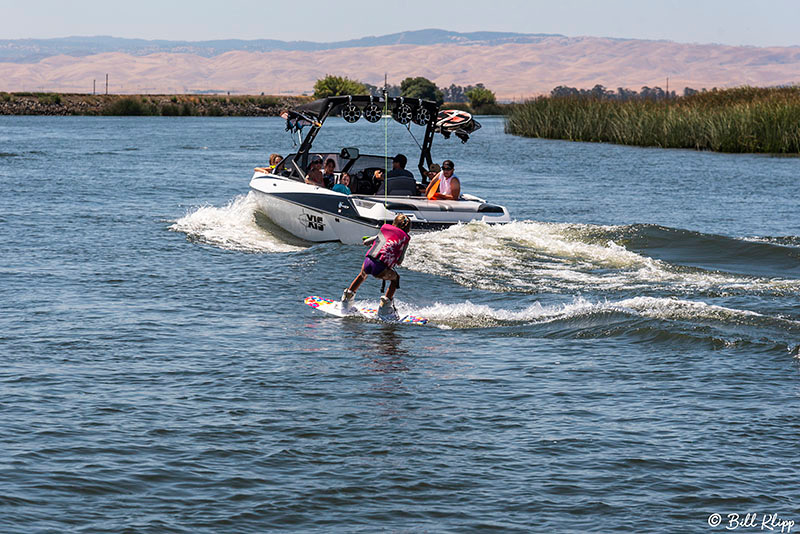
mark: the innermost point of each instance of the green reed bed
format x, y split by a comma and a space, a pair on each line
27, 103
735, 120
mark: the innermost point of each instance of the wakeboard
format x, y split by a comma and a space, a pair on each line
334, 307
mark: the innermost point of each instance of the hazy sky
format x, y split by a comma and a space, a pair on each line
738, 22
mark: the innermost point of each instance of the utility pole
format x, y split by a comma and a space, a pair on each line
94, 85
106, 83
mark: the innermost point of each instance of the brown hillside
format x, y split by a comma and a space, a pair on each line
513, 71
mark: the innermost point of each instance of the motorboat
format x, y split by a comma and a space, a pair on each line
317, 214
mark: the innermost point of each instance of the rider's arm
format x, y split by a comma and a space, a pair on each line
402, 254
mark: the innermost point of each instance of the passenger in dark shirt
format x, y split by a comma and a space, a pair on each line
399, 167
400, 181
327, 175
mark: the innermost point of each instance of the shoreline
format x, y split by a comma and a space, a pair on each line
69, 104
171, 105
739, 120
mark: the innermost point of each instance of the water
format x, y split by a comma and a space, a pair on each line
623, 357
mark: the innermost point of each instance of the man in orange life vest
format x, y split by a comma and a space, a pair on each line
445, 185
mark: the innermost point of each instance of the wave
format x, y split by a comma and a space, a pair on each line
644, 318
786, 241
533, 257
231, 227
711, 251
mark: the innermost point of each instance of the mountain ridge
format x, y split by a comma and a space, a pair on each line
32, 50
514, 66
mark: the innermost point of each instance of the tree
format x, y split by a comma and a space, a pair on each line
420, 87
332, 85
454, 93
562, 91
480, 96
655, 93
599, 92
626, 94
374, 90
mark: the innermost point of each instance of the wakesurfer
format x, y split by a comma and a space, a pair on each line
388, 249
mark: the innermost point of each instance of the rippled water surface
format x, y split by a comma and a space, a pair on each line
622, 357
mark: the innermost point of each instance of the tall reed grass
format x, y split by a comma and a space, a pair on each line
744, 119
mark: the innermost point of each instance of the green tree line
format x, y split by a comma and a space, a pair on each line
622, 93
479, 98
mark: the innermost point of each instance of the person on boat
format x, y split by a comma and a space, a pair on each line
377, 178
446, 185
430, 174
388, 249
327, 175
274, 161
399, 181
314, 173
433, 171
343, 184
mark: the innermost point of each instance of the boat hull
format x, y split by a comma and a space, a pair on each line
311, 224
317, 214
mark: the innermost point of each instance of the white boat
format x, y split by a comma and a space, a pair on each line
318, 214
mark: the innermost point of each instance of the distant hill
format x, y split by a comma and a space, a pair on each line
33, 50
513, 65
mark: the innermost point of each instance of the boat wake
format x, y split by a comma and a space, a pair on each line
650, 281
532, 257
643, 318
787, 241
231, 227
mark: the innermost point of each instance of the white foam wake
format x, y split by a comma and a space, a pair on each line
231, 227
561, 258
672, 310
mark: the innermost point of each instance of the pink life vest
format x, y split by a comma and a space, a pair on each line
390, 245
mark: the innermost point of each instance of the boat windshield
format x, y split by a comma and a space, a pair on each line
356, 166
369, 162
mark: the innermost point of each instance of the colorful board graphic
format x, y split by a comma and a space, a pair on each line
335, 308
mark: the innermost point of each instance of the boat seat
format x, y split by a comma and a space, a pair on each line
362, 182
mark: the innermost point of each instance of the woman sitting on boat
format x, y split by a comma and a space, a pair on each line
314, 174
274, 161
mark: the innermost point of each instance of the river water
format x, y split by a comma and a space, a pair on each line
622, 357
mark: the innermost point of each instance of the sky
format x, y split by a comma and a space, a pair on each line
734, 22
